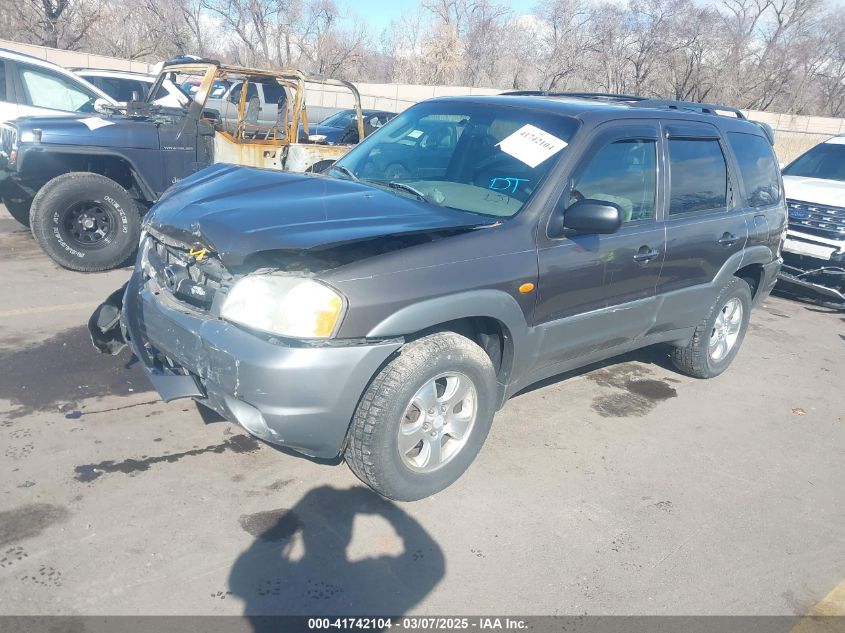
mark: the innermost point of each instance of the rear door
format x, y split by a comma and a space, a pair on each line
704, 225
597, 291
760, 185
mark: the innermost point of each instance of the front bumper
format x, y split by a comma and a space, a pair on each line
814, 267
301, 397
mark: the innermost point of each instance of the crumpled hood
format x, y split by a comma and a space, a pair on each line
815, 190
238, 211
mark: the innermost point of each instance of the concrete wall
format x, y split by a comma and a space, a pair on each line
73, 59
793, 133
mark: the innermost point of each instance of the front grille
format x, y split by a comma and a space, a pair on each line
202, 284
8, 139
817, 219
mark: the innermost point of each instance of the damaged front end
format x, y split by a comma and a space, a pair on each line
104, 326
823, 281
298, 393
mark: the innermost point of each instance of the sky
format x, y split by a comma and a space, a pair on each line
379, 13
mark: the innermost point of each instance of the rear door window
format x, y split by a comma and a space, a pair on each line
758, 168
698, 176
119, 88
2, 80
273, 92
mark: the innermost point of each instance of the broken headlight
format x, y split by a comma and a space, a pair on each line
287, 306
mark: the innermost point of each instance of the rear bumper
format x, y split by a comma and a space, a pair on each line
301, 397
769, 279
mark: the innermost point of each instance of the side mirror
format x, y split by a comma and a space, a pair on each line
586, 216
102, 106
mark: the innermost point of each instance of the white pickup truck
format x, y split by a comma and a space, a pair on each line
814, 251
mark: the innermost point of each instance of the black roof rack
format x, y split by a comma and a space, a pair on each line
692, 106
598, 96
640, 102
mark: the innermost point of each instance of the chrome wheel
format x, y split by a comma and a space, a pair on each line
725, 330
437, 422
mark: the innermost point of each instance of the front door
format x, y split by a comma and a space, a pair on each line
597, 291
178, 142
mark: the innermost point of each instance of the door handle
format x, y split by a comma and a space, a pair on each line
728, 239
645, 255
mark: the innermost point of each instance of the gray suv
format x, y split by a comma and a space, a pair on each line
385, 314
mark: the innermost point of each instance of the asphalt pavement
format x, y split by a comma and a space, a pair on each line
624, 488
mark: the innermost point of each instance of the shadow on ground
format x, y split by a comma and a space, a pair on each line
63, 370
655, 355
305, 561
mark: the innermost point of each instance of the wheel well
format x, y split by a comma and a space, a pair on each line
43, 167
488, 333
753, 275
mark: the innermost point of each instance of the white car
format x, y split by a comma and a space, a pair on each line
814, 251
121, 85
30, 87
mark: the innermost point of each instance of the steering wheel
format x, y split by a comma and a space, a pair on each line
491, 161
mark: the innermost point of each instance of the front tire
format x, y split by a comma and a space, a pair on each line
719, 336
424, 417
85, 222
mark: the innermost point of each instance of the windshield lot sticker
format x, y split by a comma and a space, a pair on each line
95, 122
531, 145
415, 134
506, 184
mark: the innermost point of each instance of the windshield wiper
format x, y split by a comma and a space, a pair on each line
403, 187
345, 171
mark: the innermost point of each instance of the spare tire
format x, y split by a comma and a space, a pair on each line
85, 222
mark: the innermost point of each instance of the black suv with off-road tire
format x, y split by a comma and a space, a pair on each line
83, 183
386, 314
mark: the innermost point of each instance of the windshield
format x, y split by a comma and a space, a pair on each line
187, 81
825, 161
339, 119
45, 89
481, 158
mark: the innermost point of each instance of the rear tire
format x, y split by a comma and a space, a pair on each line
18, 208
719, 336
85, 222
424, 417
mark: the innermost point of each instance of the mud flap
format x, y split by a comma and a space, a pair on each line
104, 324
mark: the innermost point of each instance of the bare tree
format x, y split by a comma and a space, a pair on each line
785, 55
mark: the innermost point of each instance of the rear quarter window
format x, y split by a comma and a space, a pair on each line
758, 168
698, 176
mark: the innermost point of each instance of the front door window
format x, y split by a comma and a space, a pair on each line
623, 173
